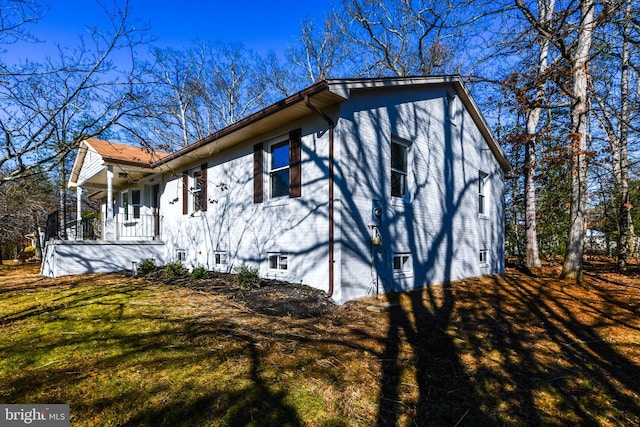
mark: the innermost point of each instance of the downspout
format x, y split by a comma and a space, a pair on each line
328, 119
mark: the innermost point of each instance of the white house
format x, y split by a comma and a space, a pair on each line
353, 186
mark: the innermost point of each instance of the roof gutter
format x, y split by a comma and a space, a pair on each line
272, 109
331, 124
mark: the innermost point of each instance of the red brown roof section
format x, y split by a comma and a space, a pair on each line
112, 151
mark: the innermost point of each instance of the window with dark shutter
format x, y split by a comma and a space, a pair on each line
185, 193
204, 198
257, 174
295, 167
196, 191
279, 161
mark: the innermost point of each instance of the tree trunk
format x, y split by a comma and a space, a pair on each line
625, 222
533, 257
36, 238
572, 267
63, 200
545, 14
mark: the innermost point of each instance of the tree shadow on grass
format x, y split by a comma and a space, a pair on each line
252, 401
542, 355
512, 350
254, 404
591, 358
439, 374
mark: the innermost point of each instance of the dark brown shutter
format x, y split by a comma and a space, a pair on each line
185, 193
258, 180
204, 196
295, 167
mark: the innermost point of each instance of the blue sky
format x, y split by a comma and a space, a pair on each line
260, 25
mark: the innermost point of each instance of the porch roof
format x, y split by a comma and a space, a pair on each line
94, 155
114, 152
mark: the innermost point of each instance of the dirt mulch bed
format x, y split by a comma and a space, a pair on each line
272, 297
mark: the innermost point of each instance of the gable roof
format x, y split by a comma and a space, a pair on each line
320, 96
115, 152
127, 158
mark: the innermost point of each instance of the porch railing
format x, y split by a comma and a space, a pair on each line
142, 227
85, 229
131, 227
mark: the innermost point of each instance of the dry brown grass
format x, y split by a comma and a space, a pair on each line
517, 349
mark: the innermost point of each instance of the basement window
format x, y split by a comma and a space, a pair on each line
402, 265
483, 257
278, 261
220, 259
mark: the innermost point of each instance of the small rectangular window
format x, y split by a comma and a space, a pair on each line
278, 261
398, 169
483, 257
402, 265
220, 260
181, 255
482, 190
279, 169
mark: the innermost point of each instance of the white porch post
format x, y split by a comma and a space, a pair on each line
79, 230
109, 223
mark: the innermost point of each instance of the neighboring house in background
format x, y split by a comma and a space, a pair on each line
353, 186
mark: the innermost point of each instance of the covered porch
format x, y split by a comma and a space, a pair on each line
121, 179
127, 228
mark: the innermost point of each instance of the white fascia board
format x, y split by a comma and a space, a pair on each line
74, 176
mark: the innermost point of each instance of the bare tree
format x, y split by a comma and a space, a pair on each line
321, 51
195, 92
15, 16
230, 88
35, 199
571, 32
545, 14
276, 77
615, 107
406, 37
50, 107
572, 266
166, 116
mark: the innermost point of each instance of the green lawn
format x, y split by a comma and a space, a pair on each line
122, 351
511, 350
